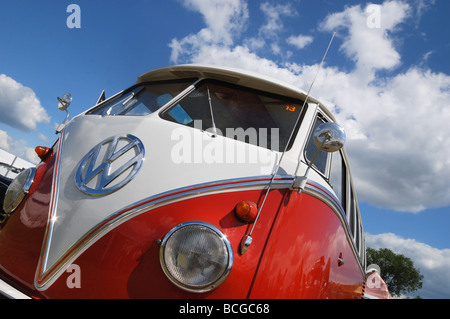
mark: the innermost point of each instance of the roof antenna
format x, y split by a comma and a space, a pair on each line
247, 239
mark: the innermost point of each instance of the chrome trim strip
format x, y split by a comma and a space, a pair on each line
180, 194
10, 292
335, 201
45, 278
280, 181
41, 270
30, 180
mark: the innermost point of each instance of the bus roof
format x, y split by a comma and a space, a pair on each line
232, 75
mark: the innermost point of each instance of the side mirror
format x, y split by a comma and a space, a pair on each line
328, 137
63, 104
64, 101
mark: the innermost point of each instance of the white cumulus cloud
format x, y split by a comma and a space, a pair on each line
396, 124
300, 41
274, 17
19, 106
369, 43
224, 19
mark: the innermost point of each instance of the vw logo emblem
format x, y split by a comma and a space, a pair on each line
110, 165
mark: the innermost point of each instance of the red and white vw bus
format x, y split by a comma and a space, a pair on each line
197, 182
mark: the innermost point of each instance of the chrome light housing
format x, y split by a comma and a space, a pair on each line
18, 189
196, 256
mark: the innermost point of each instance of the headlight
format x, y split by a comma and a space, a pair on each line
196, 256
17, 190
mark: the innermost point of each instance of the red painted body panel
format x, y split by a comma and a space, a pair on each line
296, 244
297, 240
22, 233
125, 262
300, 258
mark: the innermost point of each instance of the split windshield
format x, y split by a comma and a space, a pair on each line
246, 115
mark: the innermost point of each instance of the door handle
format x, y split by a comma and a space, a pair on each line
340, 260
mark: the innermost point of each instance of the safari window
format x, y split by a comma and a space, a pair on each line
142, 99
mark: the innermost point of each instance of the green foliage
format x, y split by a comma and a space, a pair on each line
397, 271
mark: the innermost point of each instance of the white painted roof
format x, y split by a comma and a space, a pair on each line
237, 76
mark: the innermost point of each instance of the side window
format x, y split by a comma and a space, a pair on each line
362, 251
352, 214
338, 177
311, 149
356, 228
358, 234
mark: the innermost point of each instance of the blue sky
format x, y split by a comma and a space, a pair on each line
386, 78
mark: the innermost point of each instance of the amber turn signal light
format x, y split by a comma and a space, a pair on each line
246, 211
43, 153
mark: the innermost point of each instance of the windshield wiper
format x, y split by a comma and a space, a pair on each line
214, 133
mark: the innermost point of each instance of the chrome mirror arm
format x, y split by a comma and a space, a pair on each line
63, 104
300, 181
328, 137
63, 124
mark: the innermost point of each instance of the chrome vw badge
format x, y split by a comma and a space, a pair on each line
110, 165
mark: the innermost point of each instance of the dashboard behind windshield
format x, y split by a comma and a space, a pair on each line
250, 116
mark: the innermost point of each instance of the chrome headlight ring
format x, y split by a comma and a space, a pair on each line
196, 256
18, 189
